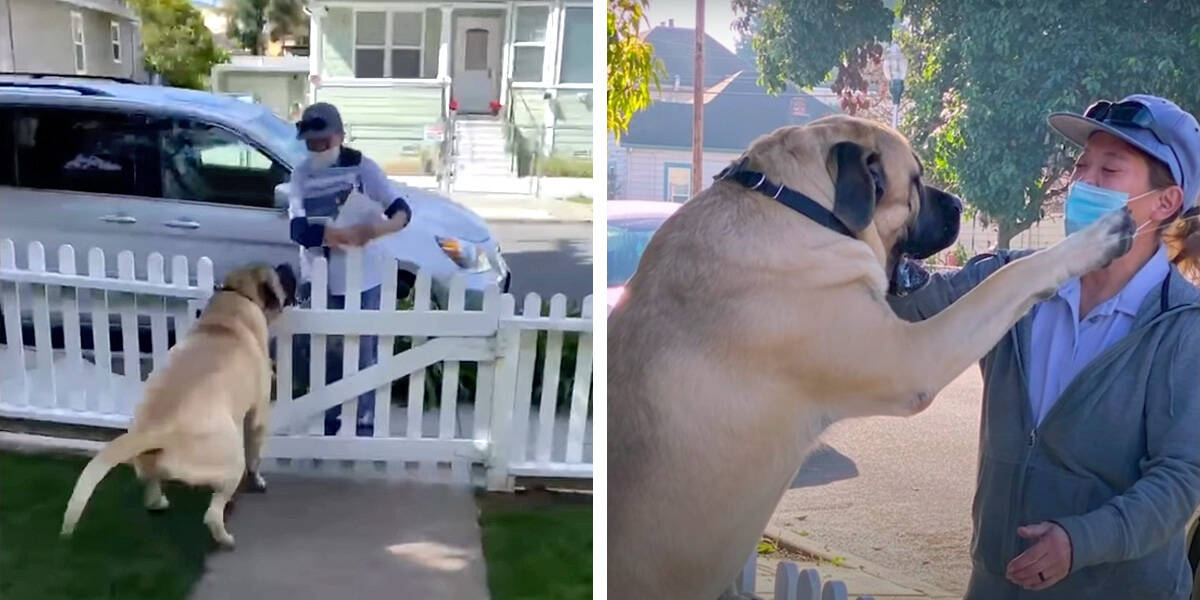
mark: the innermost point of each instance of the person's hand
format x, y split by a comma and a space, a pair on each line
335, 237
1045, 563
359, 235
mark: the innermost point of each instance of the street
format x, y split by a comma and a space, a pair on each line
547, 258
896, 491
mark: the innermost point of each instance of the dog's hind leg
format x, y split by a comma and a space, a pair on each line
214, 517
147, 469
256, 433
155, 498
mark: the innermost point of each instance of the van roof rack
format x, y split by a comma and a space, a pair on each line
82, 90
38, 75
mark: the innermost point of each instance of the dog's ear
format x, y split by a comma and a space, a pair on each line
271, 292
287, 281
856, 184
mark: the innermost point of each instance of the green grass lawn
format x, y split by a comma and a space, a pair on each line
119, 549
537, 550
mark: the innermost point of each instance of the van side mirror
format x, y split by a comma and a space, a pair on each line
281, 197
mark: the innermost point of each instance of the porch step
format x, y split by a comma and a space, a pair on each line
482, 148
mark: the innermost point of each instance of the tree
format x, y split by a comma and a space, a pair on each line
802, 41
175, 42
985, 75
253, 22
632, 67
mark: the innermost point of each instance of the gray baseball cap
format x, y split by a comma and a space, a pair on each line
1151, 124
320, 120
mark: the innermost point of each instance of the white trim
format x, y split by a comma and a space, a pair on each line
375, 6
115, 27
388, 45
532, 85
81, 43
380, 82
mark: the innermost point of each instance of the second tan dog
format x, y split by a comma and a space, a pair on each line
204, 415
749, 327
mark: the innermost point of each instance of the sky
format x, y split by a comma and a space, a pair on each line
718, 17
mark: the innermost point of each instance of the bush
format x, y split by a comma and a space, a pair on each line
562, 166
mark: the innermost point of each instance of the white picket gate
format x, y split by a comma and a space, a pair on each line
498, 433
793, 583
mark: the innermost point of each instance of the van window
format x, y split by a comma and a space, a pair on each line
85, 151
8, 156
206, 163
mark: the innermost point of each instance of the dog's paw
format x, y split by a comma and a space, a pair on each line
225, 540
1097, 245
255, 483
158, 504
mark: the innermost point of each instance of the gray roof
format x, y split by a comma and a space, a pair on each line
740, 112
112, 7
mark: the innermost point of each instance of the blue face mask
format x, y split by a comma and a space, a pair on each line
1087, 203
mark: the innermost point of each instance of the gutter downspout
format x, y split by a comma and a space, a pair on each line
12, 40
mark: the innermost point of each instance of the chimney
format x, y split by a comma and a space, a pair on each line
671, 23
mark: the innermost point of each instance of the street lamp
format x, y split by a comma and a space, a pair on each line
895, 66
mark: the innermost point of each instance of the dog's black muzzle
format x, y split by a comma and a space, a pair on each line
936, 226
934, 230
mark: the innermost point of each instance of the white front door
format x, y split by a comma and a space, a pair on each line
477, 63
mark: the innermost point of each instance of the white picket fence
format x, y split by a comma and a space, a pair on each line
794, 583
498, 435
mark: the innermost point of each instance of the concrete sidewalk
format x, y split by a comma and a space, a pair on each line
356, 540
862, 577
513, 207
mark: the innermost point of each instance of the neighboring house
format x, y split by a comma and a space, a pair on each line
71, 37
517, 75
279, 82
653, 160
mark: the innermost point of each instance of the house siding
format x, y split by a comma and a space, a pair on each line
573, 124
385, 122
641, 174
338, 43
41, 40
276, 91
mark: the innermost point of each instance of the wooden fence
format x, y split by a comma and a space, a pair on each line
431, 420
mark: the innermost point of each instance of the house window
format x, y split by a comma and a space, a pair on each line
388, 44
678, 184
475, 57
77, 39
115, 34
529, 43
577, 46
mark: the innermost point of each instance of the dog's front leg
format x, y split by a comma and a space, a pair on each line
913, 361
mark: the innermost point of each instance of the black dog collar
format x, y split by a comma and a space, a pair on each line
221, 288
788, 197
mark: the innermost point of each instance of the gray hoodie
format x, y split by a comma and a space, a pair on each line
1116, 461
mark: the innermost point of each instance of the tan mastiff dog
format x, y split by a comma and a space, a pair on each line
204, 415
757, 317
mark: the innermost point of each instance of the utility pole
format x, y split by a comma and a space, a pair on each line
698, 104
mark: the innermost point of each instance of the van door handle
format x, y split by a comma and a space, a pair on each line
123, 219
182, 224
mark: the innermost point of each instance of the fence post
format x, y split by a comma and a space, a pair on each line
746, 578
508, 346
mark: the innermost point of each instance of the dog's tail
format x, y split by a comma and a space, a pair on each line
121, 449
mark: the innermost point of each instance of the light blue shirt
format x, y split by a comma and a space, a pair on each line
1062, 344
